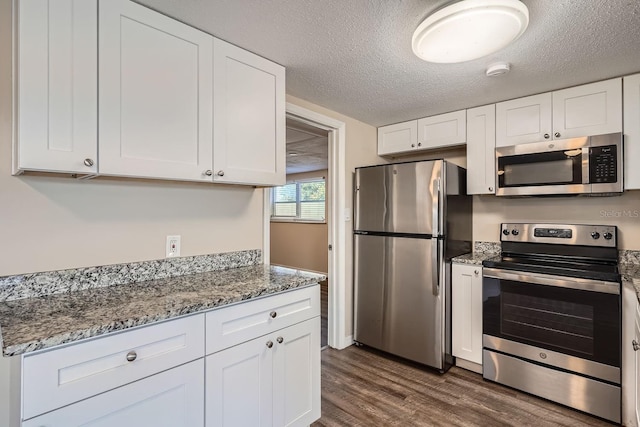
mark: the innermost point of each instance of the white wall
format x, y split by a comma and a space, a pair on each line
50, 223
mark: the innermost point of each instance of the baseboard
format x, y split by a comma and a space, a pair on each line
470, 366
345, 342
300, 268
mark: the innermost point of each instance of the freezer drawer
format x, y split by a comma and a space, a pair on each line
399, 303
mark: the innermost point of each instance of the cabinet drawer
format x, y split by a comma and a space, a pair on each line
169, 399
241, 322
62, 376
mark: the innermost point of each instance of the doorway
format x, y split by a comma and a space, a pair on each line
335, 224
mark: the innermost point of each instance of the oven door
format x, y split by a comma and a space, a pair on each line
557, 167
579, 318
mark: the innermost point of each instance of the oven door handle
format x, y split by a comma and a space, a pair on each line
552, 280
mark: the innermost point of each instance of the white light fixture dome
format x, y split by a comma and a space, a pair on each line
469, 29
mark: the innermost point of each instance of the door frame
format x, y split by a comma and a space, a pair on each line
336, 224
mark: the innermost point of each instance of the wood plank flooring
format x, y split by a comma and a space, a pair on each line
324, 308
362, 388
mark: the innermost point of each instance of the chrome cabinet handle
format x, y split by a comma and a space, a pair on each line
131, 356
546, 136
279, 339
490, 188
419, 144
220, 173
269, 344
88, 162
273, 314
557, 134
476, 272
636, 346
208, 172
413, 145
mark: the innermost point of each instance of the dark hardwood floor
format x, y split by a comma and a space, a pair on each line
324, 307
362, 388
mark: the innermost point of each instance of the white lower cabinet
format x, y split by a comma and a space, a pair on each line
630, 356
466, 313
273, 380
169, 399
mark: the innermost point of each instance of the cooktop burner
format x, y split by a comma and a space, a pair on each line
582, 251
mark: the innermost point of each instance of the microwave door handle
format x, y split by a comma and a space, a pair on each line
585, 164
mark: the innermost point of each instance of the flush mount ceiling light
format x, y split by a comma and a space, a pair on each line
469, 29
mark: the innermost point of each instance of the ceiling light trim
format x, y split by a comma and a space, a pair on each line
469, 29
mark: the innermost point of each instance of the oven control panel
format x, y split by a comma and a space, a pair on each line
563, 234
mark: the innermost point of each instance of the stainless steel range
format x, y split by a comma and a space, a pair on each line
552, 315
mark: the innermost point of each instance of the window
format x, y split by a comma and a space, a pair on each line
299, 201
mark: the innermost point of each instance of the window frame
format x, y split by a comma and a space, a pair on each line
297, 218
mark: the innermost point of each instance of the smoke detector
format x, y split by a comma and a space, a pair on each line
498, 69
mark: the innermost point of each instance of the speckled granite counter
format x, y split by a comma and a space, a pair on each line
35, 323
481, 252
474, 258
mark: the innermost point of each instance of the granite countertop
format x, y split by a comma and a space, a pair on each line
474, 258
630, 272
31, 324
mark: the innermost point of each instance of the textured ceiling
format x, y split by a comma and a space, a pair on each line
355, 56
307, 148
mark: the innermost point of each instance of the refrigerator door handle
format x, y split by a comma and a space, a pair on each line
435, 266
436, 207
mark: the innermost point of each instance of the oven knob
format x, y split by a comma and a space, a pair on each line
515, 232
595, 235
505, 232
607, 235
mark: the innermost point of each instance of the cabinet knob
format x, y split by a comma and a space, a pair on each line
269, 344
557, 134
476, 272
208, 172
88, 162
419, 144
413, 145
490, 188
546, 136
131, 356
279, 339
220, 173
635, 344
273, 314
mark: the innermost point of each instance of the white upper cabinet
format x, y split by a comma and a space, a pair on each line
523, 120
481, 145
398, 138
591, 109
57, 86
156, 95
632, 132
248, 117
443, 130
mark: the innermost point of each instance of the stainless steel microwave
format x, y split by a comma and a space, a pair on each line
590, 165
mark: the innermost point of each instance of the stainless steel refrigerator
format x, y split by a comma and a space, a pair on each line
410, 220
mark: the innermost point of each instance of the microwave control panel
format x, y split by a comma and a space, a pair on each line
603, 167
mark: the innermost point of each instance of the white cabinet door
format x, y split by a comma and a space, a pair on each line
443, 130
172, 398
591, 109
632, 132
239, 385
57, 86
397, 138
523, 120
481, 150
296, 374
466, 312
155, 105
248, 117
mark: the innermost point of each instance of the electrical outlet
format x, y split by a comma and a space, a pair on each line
173, 246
